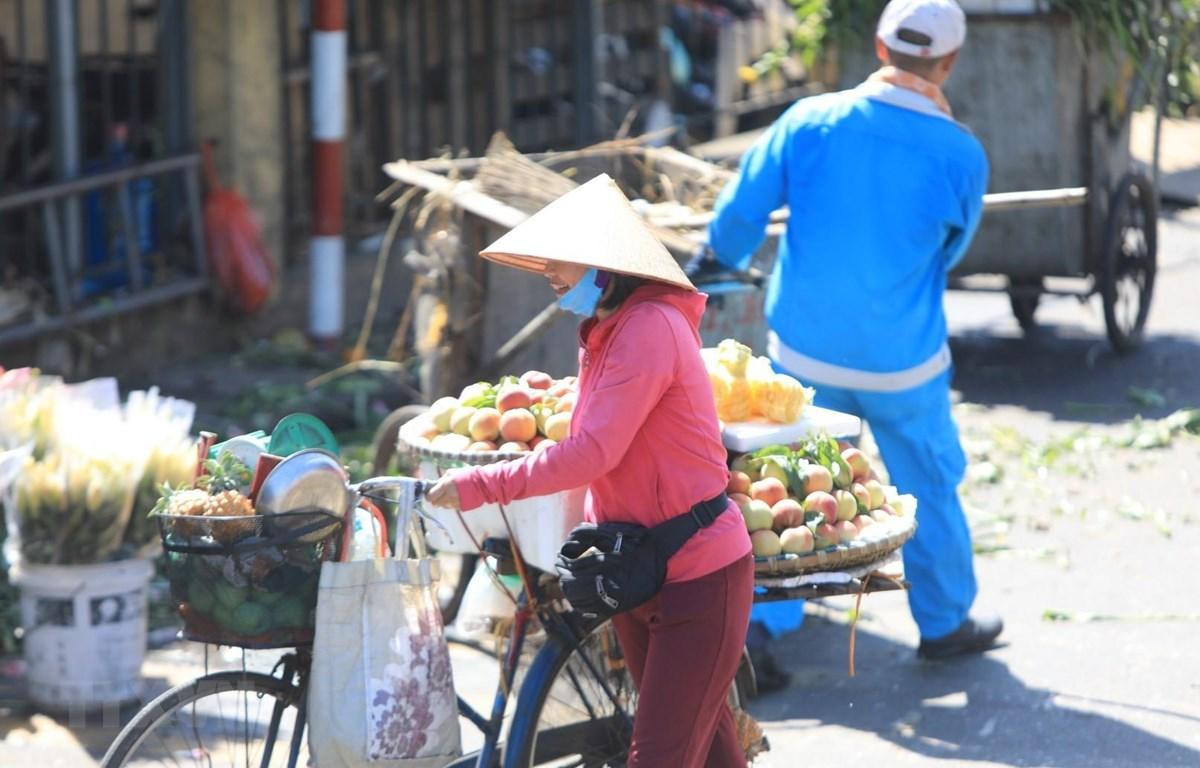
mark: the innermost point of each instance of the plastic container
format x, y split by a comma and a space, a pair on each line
105, 247
539, 524
484, 602
85, 632
366, 536
746, 436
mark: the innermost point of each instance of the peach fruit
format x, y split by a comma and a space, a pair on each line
544, 443
758, 516
558, 427
824, 503
485, 424
880, 515
739, 482
518, 425
765, 543
847, 505
472, 391
512, 398
859, 465
787, 514
482, 445
514, 446
847, 530
825, 536
769, 489
862, 495
862, 521
796, 541
460, 421
441, 411
565, 404
875, 490
536, 380
816, 478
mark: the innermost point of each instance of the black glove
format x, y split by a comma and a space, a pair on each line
703, 262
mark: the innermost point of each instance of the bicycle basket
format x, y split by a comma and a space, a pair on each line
248, 581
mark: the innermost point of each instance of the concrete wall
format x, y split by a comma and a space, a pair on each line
237, 99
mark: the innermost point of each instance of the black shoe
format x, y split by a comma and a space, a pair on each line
972, 636
768, 675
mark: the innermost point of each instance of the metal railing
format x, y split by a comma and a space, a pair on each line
54, 200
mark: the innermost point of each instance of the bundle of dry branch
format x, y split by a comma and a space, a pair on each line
508, 175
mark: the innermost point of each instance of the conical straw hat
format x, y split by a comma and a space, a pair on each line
593, 225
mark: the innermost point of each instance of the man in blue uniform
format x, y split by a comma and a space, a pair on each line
885, 191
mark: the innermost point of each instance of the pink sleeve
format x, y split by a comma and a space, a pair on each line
638, 369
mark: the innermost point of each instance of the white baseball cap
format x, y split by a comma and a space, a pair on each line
929, 29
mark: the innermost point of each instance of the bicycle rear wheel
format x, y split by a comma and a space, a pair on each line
223, 719
576, 706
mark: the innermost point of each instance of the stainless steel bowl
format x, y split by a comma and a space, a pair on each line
307, 481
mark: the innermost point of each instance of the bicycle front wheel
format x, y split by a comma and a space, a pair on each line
223, 719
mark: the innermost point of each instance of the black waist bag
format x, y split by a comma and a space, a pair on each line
610, 568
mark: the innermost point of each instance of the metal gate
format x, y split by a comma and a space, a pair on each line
99, 202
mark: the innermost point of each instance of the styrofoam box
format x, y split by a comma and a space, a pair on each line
751, 435
539, 524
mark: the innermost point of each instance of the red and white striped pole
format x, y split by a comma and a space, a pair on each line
327, 252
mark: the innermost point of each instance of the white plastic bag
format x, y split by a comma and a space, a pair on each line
381, 692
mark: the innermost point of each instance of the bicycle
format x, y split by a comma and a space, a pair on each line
574, 705
385, 453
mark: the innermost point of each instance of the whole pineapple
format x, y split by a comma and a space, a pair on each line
183, 502
226, 476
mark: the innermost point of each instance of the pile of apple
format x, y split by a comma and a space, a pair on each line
794, 504
526, 413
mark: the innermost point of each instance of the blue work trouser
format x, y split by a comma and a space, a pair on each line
919, 443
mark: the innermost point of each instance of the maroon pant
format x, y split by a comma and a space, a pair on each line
683, 648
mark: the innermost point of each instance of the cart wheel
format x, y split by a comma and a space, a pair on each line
1129, 260
1023, 297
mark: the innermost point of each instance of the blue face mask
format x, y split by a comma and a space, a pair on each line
584, 297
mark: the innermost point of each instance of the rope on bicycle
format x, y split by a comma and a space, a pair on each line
858, 605
531, 604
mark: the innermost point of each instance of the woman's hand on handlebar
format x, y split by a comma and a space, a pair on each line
445, 493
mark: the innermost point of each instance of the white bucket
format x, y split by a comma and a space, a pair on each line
85, 631
540, 524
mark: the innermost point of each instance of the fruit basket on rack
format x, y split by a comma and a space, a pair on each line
874, 544
488, 423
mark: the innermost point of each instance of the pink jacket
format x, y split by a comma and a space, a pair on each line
644, 436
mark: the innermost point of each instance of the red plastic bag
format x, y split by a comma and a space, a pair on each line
236, 253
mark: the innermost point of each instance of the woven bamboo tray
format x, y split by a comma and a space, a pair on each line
410, 439
880, 539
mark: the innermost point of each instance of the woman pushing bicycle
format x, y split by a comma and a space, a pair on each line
645, 441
